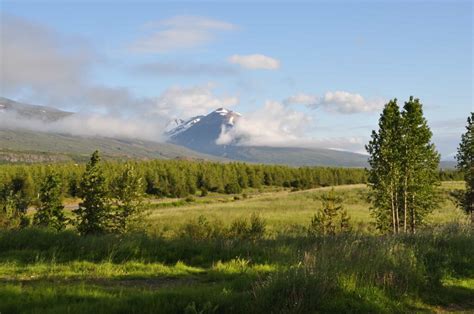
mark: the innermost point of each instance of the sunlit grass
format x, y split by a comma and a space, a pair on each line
102, 270
286, 211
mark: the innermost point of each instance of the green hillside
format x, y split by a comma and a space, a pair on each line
29, 146
295, 156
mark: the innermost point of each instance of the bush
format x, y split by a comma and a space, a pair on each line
202, 229
232, 188
189, 199
238, 228
241, 229
257, 227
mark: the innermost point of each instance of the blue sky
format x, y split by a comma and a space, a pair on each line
309, 73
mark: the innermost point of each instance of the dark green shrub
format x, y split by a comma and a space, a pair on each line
232, 188
190, 199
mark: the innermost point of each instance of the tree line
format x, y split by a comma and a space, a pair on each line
179, 178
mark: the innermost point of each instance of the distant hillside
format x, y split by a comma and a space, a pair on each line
32, 111
294, 156
29, 146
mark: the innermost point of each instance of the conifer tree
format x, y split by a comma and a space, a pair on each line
50, 210
332, 218
93, 214
128, 193
465, 163
15, 197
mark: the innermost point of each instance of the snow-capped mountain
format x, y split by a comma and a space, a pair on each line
201, 132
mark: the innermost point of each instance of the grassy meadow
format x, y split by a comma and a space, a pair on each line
186, 261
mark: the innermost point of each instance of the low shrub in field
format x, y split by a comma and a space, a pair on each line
332, 218
202, 229
248, 230
189, 199
252, 229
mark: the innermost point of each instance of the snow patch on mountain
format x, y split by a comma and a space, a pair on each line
221, 116
179, 125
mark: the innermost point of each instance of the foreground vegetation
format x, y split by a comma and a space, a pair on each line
44, 272
192, 259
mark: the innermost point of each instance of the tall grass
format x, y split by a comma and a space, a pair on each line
345, 273
351, 273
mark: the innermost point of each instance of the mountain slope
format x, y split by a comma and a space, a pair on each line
29, 146
200, 134
32, 111
295, 156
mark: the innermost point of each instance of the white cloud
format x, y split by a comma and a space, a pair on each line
255, 61
345, 102
272, 125
337, 101
188, 102
278, 125
179, 32
90, 125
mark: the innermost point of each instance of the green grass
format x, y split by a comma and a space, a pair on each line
285, 211
164, 271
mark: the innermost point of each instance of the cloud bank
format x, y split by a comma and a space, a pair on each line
279, 125
179, 102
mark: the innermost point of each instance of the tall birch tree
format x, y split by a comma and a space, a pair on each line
384, 173
403, 168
